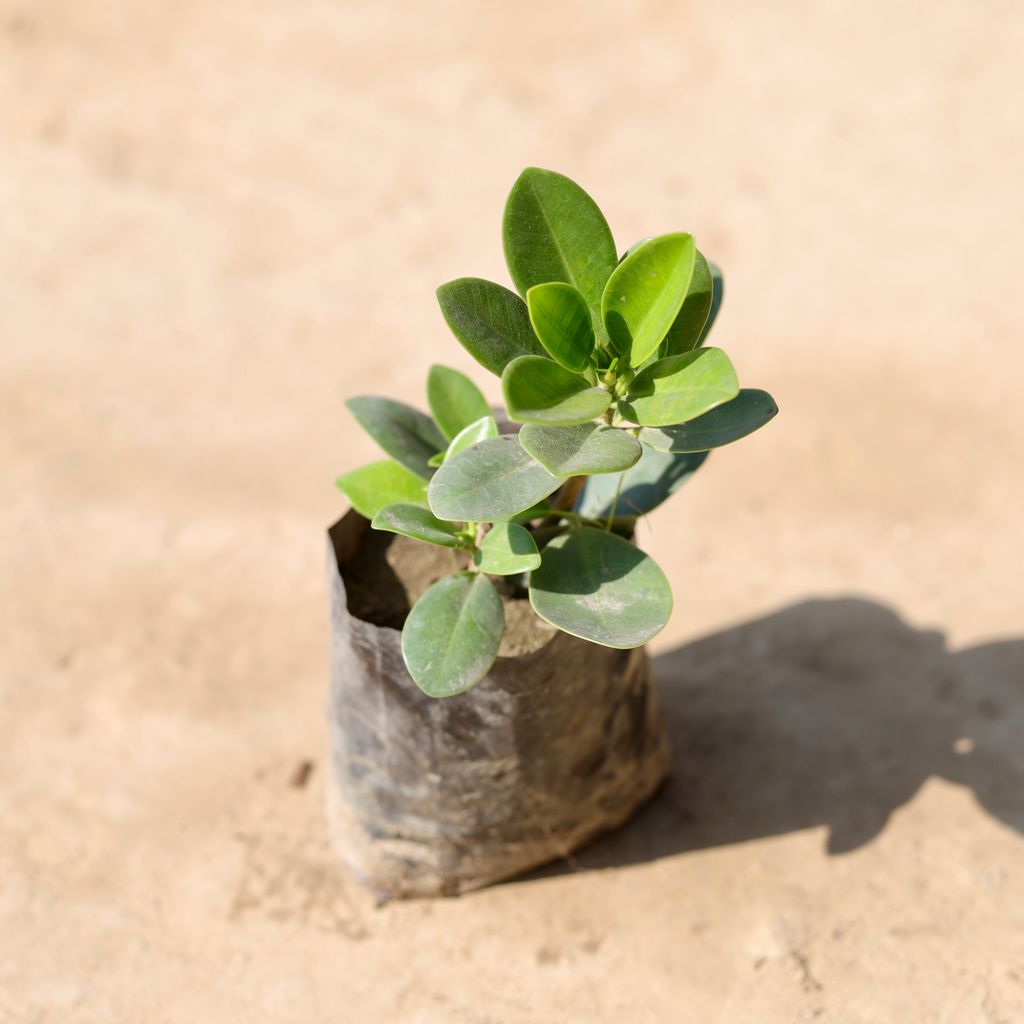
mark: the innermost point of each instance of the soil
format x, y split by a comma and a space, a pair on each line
387, 574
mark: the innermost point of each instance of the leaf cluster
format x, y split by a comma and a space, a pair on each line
603, 365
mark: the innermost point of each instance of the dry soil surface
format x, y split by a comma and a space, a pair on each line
222, 217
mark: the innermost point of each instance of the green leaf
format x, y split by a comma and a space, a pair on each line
406, 434
580, 451
680, 388
436, 459
492, 322
598, 586
479, 430
452, 634
538, 390
644, 295
454, 400
689, 323
554, 231
371, 487
491, 480
717, 294
748, 411
507, 549
538, 511
656, 477
420, 524
562, 321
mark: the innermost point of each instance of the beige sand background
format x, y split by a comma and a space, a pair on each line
222, 217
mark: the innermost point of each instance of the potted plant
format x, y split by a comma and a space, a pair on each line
491, 705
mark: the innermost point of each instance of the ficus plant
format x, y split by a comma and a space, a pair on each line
603, 363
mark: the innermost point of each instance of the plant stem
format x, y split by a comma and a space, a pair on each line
570, 491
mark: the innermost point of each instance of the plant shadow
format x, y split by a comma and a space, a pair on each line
828, 713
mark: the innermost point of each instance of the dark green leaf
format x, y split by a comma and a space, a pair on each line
680, 388
491, 480
600, 587
538, 390
717, 293
406, 434
748, 411
562, 321
644, 295
689, 323
554, 231
582, 450
371, 487
452, 634
454, 400
420, 524
492, 322
507, 549
657, 476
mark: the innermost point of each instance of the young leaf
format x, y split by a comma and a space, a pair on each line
538, 390
656, 477
420, 524
452, 634
454, 400
717, 293
598, 586
491, 480
680, 388
580, 451
371, 487
644, 295
479, 430
507, 549
562, 321
554, 231
492, 323
406, 434
748, 411
689, 323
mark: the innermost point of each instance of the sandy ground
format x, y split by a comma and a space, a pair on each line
222, 217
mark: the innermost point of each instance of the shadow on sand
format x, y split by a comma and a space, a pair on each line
830, 712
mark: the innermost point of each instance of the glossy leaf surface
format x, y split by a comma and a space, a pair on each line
491, 322
600, 587
656, 477
406, 434
452, 634
717, 294
419, 523
538, 390
507, 549
369, 488
680, 388
454, 400
493, 479
480, 430
644, 295
561, 320
689, 323
576, 451
554, 231
747, 412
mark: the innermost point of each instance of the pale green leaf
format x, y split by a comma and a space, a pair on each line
644, 295
581, 450
369, 488
680, 388
507, 549
538, 390
480, 430
493, 479
598, 586
452, 634
420, 524
561, 320
454, 400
